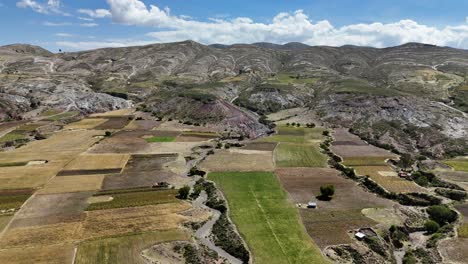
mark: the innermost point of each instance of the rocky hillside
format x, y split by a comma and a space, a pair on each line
412, 97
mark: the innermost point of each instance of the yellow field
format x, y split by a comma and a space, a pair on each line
110, 222
389, 183
239, 160
183, 148
98, 161
28, 176
56, 254
67, 184
115, 113
58, 150
42, 235
87, 123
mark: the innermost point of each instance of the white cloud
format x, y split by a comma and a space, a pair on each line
65, 35
51, 6
89, 25
98, 13
85, 19
63, 24
285, 27
56, 24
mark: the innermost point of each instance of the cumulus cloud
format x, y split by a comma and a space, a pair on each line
285, 27
49, 7
97, 13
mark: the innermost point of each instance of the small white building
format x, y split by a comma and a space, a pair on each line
360, 235
312, 205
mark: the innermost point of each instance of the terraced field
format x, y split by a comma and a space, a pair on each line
266, 219
368, 160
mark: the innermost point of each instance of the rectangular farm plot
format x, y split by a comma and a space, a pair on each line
332, 227
299, 155
239, 160
28, 176
124, 249
114, 123
354, 151
142, 125
303, 185
119, 221
95, 164
196, 136
13, 199
143, 171
387, 178
54, 254
73, 184
365, 161
52, 209
266, 220
87, 123
460, 164
133, 198
262, 146
159, 139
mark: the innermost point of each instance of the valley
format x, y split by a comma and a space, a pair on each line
187, 153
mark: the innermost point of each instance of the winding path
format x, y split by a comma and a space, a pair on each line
204, 232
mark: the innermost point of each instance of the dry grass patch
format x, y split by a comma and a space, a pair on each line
365, 161
183, 148
98, 162
55, 254
105, 223
124, 249
42, 235
28, 176
142, 125
235, 160
73, 184
390, 183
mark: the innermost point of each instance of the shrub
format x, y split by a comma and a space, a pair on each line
431, 226
326, 192
452, 194
183, 192
441, 214
326, 133
422, 181
409, 258
108, 133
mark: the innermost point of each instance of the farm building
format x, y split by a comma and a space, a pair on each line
360, 235
312, 205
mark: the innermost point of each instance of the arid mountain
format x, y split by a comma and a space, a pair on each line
413, 97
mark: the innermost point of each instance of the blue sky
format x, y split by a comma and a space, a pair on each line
87, 24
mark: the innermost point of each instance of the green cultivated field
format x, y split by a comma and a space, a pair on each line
160, 139
458, 164
264, 217
133, 199
123, 249
299, 155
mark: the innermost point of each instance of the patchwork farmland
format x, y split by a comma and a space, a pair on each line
109, 188
91, 186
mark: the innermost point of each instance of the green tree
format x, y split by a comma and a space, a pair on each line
184, 192
441, 214
431, 226
327, 191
